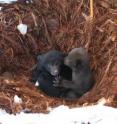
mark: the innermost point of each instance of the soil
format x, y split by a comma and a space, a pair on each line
61, 25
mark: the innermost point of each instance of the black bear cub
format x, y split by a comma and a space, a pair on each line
49, 68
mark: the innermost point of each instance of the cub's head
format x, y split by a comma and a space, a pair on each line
52, 61
76, 58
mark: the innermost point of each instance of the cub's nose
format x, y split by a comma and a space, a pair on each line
56, 72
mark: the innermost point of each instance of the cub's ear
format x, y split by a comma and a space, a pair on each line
78, 63
39, 57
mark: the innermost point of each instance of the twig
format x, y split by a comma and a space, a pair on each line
90, 25
106, 71
77, 12
91, 9
46, 32
34, 19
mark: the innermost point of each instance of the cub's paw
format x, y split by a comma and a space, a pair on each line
56, 81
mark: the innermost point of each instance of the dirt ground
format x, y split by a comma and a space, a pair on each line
61, 25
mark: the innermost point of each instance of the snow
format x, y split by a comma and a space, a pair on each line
2, 112
97, 114
10, 1
17, 99
0, 8
22, 28
7, 1
37, 84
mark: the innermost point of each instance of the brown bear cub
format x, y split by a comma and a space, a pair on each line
82, 80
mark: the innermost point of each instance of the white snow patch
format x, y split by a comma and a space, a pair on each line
22, 28
0, 8
102, 101
37, 84
7, 1
63, 115
2, 112
17, 99
29, 1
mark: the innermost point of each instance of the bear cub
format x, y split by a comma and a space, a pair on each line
49, 69
82, 79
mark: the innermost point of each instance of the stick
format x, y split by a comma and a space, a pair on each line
91, 9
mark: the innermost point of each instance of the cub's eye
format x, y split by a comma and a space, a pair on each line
56, 63
79, 64
49, 66
74, 64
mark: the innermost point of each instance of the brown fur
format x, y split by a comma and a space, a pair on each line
82, 80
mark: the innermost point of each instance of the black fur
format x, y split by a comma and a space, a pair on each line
43, 73
66, 72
